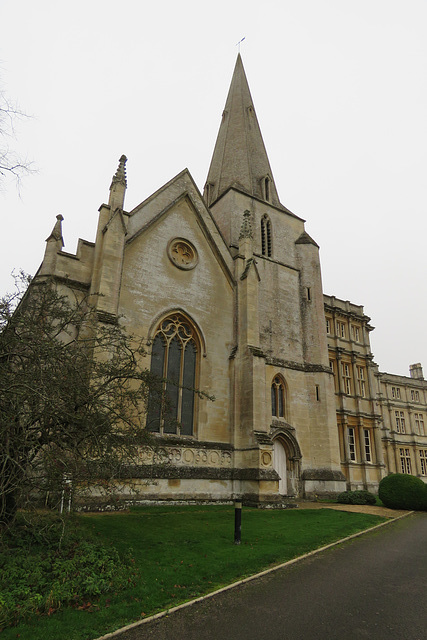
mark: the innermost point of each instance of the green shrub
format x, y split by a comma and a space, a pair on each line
403, 491
42, 570
33, 530
356, 497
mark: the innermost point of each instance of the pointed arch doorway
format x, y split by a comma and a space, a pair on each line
280, 465
287, 460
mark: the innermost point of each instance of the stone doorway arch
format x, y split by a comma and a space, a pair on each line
280, 465
287, 460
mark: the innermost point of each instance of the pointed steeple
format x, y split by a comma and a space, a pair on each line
239, 158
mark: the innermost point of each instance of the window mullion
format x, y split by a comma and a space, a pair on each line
181, 378
165, 375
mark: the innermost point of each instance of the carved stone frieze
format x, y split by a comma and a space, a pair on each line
187, 456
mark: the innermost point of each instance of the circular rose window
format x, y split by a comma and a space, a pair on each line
182, 253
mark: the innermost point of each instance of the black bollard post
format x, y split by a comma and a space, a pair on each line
237, 520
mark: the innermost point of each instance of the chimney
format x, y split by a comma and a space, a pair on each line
416, 371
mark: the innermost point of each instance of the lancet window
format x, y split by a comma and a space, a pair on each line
174, 359
278, 398
266, 237
267, 193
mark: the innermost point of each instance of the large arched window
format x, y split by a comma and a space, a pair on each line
174, 355
266, 239
278, 398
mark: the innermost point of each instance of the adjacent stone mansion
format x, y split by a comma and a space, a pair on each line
226, 287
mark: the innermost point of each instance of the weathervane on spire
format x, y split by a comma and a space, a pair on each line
238, 44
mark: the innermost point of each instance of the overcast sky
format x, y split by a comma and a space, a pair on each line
340, 90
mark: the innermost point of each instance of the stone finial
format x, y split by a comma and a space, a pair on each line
56, 233
246, 228
120, 175
118, 186
54, 244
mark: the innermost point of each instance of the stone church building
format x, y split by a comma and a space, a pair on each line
226, 287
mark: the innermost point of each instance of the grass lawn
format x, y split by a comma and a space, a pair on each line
184, 552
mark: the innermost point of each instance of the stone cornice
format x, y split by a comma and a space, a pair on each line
298, 366
188, 441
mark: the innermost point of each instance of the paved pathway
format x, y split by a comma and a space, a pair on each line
371, 587
355, 508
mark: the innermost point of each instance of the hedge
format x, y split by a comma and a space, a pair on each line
403, 491
356, 497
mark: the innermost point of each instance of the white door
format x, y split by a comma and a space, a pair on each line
279, 464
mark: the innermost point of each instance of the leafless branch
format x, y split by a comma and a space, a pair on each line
11, 164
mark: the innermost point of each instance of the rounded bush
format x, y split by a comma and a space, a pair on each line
356, 497
403, 491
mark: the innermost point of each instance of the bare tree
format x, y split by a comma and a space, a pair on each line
11, 163
72, 395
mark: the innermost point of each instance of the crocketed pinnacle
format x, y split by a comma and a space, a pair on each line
120, 175
246, 228
239, 159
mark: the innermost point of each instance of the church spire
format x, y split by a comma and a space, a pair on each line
239, 158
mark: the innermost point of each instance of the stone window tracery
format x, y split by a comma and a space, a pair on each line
174, 359
182, 253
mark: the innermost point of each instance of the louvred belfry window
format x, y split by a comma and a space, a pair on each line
266, 237
174, 353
